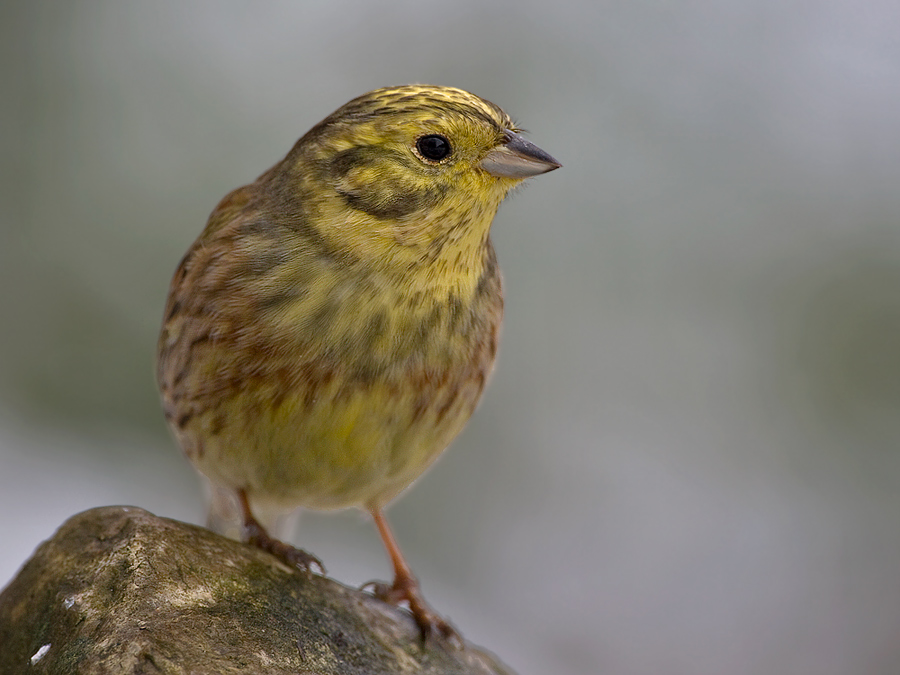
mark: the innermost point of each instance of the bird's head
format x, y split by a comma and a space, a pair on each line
416, 165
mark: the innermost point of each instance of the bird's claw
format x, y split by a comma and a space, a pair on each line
290, 555
431, 624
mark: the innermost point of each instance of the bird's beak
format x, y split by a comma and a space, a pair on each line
516, 157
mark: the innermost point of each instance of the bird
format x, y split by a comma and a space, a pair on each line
334, 325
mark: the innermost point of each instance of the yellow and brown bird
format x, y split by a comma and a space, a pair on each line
334, 325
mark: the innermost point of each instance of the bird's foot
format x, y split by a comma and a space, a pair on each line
256, 535
406, 589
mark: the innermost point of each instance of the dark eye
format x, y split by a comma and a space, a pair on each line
433, 147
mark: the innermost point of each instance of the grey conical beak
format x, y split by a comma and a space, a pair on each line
518, 158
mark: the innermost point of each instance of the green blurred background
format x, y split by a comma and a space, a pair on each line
687, 462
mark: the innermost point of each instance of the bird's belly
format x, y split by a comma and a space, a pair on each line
336, 445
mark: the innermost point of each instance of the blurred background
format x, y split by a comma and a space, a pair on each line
689, 458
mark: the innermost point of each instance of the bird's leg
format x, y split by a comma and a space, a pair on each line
406, 587
256, 535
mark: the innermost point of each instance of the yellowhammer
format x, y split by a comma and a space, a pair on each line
332, 328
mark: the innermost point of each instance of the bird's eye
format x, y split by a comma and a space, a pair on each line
433, 147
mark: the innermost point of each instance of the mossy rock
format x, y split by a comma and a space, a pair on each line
119, 590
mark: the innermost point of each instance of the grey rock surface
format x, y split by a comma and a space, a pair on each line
119, 590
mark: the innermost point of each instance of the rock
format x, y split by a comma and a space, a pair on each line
119, 590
